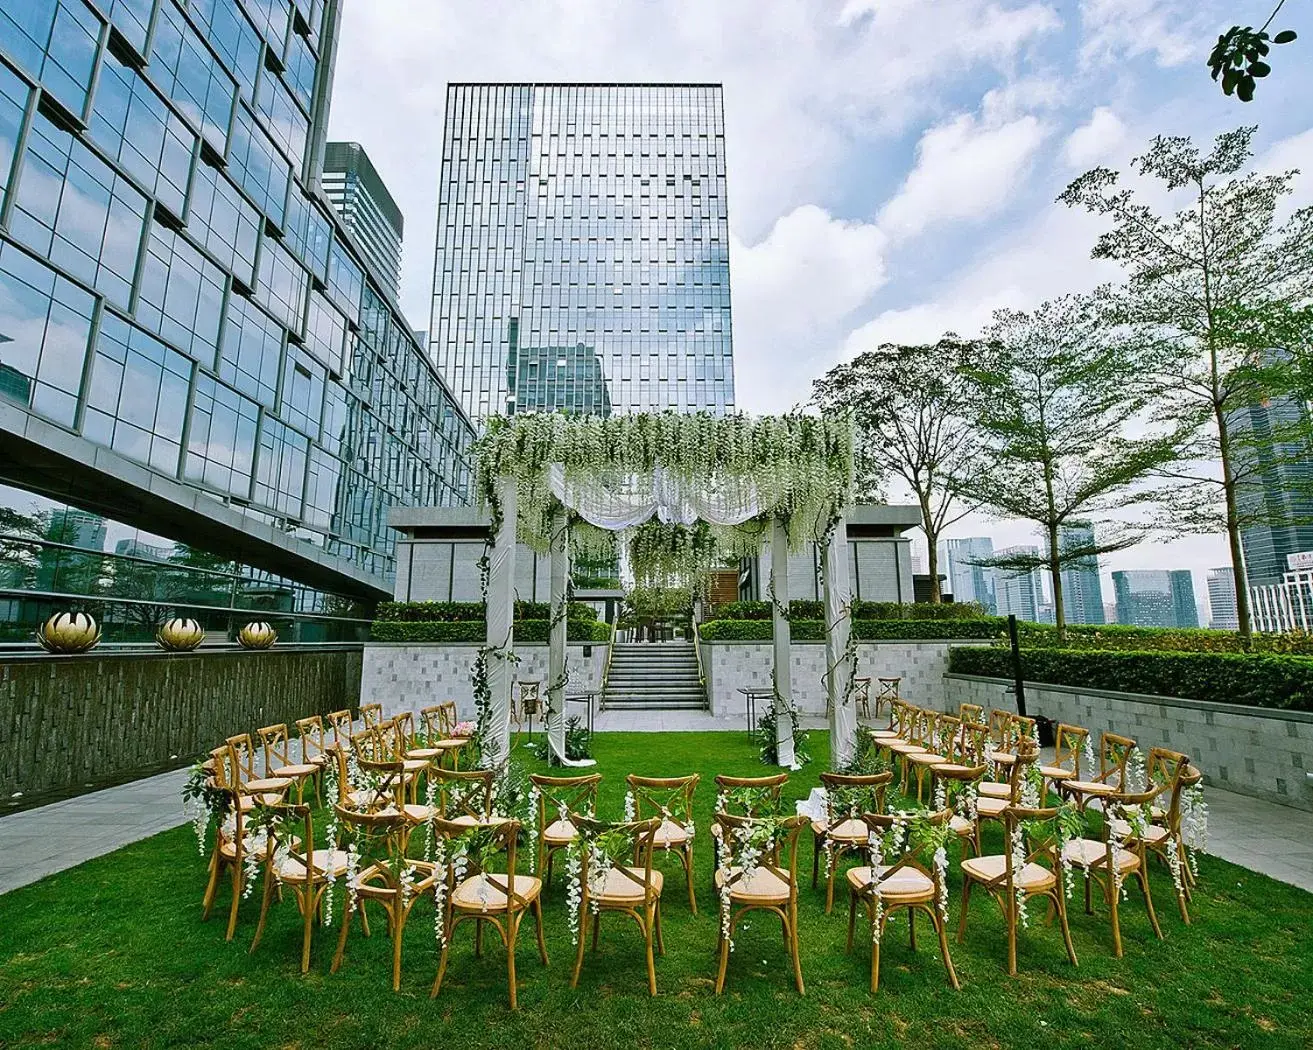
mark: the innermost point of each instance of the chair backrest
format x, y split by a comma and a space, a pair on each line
1068, 743
852, 794
954, 783
973, 744
384, 783
970, 712
1000, 722
313, 742
749, 796
1114, 752
560, 796
292, 834
241, 757
1026, 755
277, 747
430, 724
784, 842
376, 836
1022, 726
667, 797
371, 715
889, 688
501, 839
1173, 769
947, 734
862, 690
220, 764
630, 851
465, 793
903, 718
906, 849
373, 744
339, 722
1037, 848
403, 733
447, 717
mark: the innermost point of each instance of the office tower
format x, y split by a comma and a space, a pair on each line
191, 341
1222, 614
355, 189
77, 528
969, 581
132, 548
584, 223
1155, 597
1278, 489
1082, 594
1018, 594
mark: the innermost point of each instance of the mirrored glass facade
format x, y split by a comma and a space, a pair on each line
583, 249
176, 289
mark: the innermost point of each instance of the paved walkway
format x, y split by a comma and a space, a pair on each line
1264, 837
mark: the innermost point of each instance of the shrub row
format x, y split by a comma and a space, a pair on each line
864, 630
462, 612
1255, 679
809, 609
536, 630
1155, 639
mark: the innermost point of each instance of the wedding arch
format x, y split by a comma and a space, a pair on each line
743, 481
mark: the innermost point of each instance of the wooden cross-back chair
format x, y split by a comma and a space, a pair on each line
1015, 729
1068, 743
1114, 752
862, 696
970, 713
628, 889
228, 856
467, 797
341, 725
436, 736
558, 797
973, 744
247, 778
1165, 834
527, 700
942, 745
292, 863
670, 798
991, 806
757, 796
315, 746
958, 779
1039, 875
908, 881
999, 723
911, 738
1109, 864
771, 885
499, 898
847, 797
371, 715
898, 715
888, 691
277, 748
386, 877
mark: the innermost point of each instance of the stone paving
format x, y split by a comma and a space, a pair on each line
1267, 838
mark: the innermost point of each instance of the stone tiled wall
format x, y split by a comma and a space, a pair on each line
730, 666
1249, 750
405, 677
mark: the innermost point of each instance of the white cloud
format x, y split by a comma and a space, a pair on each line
1172, 31
964, 170
1094, 141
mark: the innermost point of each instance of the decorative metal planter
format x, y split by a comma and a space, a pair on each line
257, 635
180, 635
68, 633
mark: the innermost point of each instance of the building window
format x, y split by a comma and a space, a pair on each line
252, 351
221, 439
181, 294
280, 476
282, 286
224, 221
184, 67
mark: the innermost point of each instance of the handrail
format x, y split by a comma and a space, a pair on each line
610, 650
695, 623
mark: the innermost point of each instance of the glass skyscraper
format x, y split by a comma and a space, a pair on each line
583, 249
356, 190
1082, 593
193, 347
1155, 597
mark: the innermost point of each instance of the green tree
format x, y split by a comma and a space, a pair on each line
909, 405
1052, 393
1239, 57
1212, 295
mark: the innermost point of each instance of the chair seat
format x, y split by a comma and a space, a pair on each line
249, 802
670, 835
903, 747
1092, 852
619, 888
1001, 758
266, 784
1058, 772
451, 743
758, 886
467, 820
990, 789
419, 814
988, 806
927, 758
1033, 877
488, 892
293, 870
961, 826
425, 754
907, 885
295, 772
951, 767
1153, 834
1088, 787
560, 833
415, 765
851, 831
884, 734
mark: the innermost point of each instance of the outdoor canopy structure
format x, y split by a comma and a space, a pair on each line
782, 479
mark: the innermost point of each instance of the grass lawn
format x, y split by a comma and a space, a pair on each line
114, 954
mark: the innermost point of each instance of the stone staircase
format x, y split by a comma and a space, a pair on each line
652, 676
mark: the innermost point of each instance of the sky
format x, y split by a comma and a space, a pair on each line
892, 164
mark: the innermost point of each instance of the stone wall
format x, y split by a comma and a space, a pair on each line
405, 677
1250, 750
69, 724
730, 666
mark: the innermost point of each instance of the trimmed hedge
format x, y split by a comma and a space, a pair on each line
577, 630
753, 630
810, 609
463, 612
1253, 679
1155, 639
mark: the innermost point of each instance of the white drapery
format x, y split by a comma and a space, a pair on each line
623, 501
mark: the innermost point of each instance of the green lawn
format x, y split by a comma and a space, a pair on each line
114, 954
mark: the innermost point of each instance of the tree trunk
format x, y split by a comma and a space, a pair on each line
932, 554
1055, 578
1243, 625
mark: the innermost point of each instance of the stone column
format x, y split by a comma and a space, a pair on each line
838, 627
779, 581
500, 613
556, 654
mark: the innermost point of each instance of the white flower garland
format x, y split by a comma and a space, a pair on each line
1091, 759
1194, 824
1018, 850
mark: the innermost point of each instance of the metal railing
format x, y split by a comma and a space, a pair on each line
610, 651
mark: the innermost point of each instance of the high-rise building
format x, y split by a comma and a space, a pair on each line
192, 343
968, 580
1278, 488
356, 190
1155, 597
589, 223
1082, 594
1222, 612
1018, 594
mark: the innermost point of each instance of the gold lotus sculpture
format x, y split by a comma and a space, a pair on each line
68, 633
180, 635
257, 635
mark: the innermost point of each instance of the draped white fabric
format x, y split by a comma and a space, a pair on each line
621, 502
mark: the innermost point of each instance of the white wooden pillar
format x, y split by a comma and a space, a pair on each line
838, 627
556, 653
783, 700
500, 612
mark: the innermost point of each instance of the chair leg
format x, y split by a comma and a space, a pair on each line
212, 885
512, 928
647, 938
816, 858
962, 918
1114, 899
478, 938
578, 955
1061, 898
661, 940
239, 881
793, 947
829, 882
688, 874
264, 910
1148, 901
398, 928
723, 963
341, 937
310, 903
911, 928
852, 917
597, 929
538, 930
875, 950
943, 948
1012, 934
